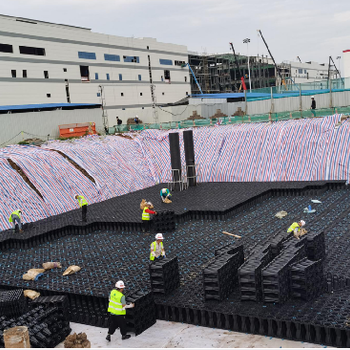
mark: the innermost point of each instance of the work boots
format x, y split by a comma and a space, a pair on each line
126, 336
108, 337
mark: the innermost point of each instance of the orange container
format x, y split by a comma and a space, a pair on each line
77, 129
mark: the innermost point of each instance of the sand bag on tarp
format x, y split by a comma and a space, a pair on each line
71, 269
33, 274
16, 337
167, 200
31, 294
77, 341
52, 265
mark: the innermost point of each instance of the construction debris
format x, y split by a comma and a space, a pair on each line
52, 265
231, 234
77, 341
281, 214
16, 337
167, 200
143, 203
33, 274
300, 233
71, 270
31, 294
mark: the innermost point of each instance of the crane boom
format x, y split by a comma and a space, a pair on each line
238, 69
278, 70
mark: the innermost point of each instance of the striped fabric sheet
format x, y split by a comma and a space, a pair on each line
293, 150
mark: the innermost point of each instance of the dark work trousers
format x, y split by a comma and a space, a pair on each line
117, 321
146, 225
84, 212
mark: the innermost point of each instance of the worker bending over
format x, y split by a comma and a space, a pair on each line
295, 227
116, 308
157, 248
165, 193
15, 217
146, 216
83, 205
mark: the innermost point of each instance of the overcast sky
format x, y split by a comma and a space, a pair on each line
311, 29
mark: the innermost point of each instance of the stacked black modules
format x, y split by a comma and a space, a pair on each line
220, 275
174, 142
47, 325
164, 275
12, 303
164, 221
143, 315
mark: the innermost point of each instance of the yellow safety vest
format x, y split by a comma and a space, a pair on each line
16, 212
154, 248
82, 201
293, 226
115, 306
145, 216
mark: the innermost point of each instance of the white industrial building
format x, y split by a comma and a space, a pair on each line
44, 62
346, 63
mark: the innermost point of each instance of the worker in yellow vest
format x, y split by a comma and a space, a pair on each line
83, 205
296, 226
146, 217
116, 308
157, 248
15, 217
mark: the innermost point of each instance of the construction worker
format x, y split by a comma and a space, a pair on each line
146, 217
157, 248
15, 217
83, 205
116, 308
296, 226
313, 106
165, 193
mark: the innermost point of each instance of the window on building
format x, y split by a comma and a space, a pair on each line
122, 94
24, 73
143, 107
185, 79
180, 63
161, 78
13, 73
46, 74
140, 77
38, 51
107, 76
65, 70
87, 55
48, 95
167, 76
98, 94
6, 48
115, 58
186, 93
120, 77
166, 62
300, 71
140, 93
96, 76
163, 93
147, 47
134, 59
84, 73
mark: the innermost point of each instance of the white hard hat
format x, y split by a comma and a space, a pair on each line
163, 190
159, 236
120, 284
136, 116
312, 96
302, 222
149, 203
75, 196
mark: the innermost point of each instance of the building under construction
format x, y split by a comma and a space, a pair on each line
220, 73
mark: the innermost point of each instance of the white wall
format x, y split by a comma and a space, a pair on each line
346, 64
43, 123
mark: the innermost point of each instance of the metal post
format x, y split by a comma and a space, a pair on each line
301, 102
246, 102
330, 94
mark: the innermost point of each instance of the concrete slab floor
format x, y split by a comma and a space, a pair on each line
180, 335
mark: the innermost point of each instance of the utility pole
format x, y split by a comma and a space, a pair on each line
153, 96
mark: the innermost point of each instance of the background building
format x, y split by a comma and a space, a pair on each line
44, 62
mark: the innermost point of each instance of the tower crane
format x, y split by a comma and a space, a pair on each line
277, 69
238, 69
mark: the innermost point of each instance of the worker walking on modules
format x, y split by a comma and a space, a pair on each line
146, 217
295, 227
116, 308
83, 205
157, 248
165, 194
15, 217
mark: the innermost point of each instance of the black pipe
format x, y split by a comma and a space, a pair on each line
189, 156
175, 158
